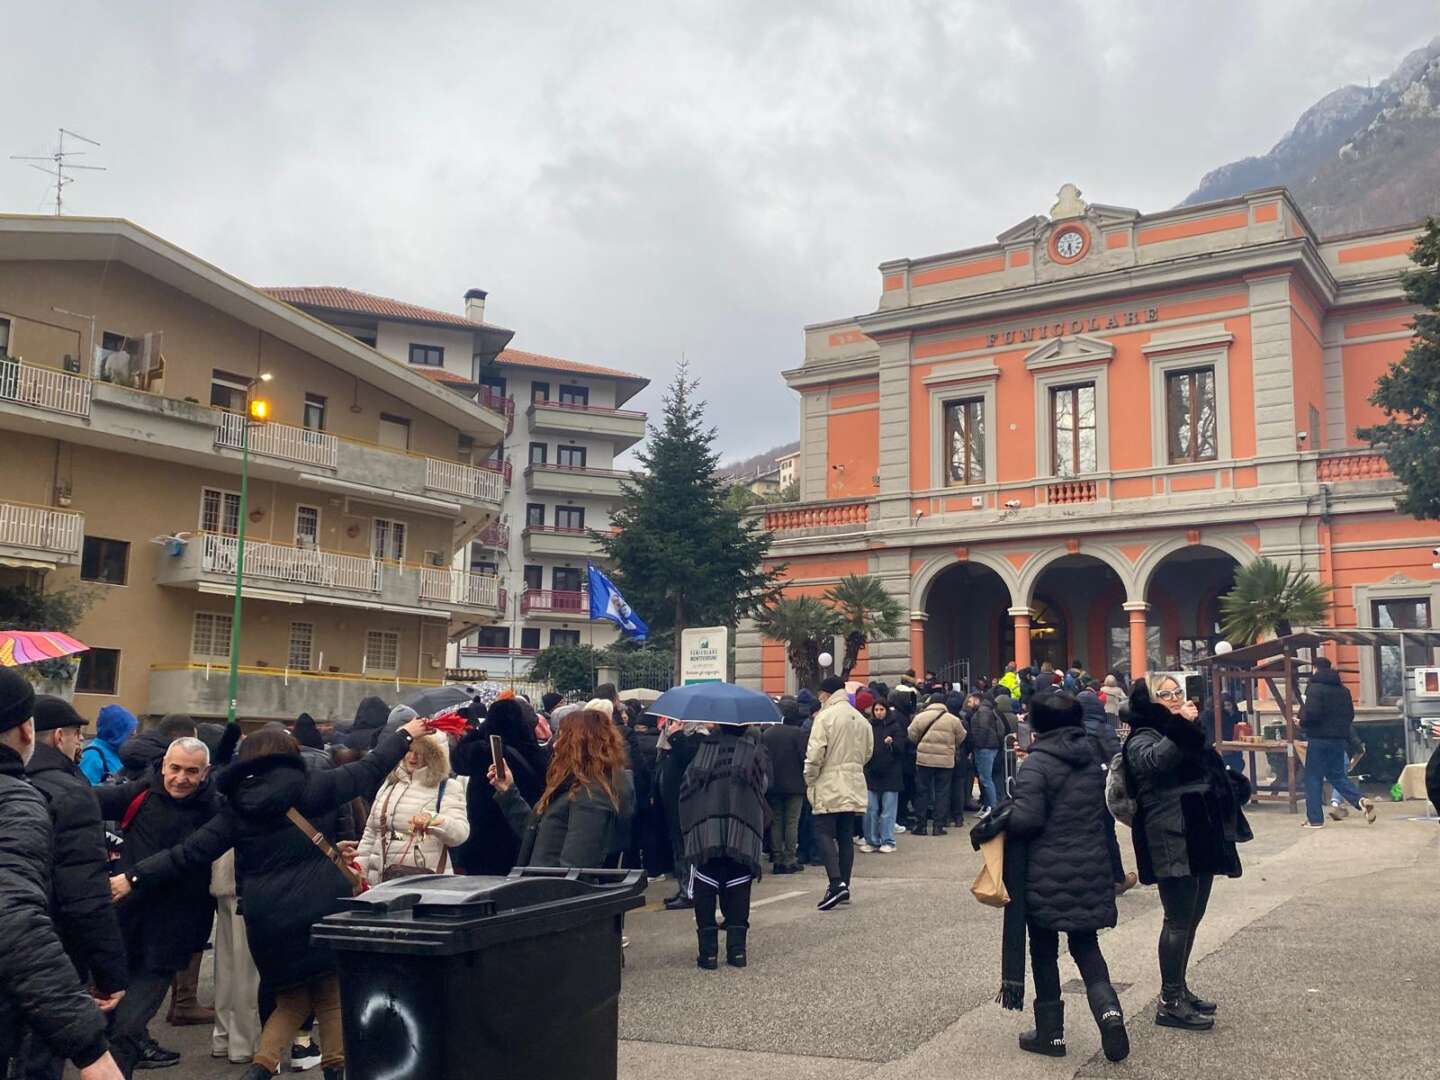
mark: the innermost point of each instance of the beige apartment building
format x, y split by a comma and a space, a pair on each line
125, 368
566, 425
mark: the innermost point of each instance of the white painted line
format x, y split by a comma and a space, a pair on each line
775, 899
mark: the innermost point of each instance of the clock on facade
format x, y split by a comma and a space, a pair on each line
1069, 244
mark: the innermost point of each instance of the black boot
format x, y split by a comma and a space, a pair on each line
940, 829
1048, 1038
1199, 1004
1105, 1005
735, 945
335, 1072
1174, 1011
920, 829
709, 955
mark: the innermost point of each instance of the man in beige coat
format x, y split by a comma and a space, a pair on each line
841, 743
937, 734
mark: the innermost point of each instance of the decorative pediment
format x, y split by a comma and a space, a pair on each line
1068, 350
1029, 229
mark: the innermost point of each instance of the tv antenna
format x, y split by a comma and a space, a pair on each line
60, 164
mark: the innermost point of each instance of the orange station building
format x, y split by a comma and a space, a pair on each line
1060, 446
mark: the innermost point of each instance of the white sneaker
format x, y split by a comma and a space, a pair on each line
900, 829
1308, 825
1367, 807
1339, 811
887, 849
866, 848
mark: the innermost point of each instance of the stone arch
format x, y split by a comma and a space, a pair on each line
1145, 569
1041, 561
925, 577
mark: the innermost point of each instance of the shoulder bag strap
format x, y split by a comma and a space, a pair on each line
444, 850
133, 809
327, 849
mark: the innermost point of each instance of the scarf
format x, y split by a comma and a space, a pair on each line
1013, 934
722, 801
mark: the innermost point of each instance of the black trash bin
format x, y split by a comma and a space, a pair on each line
446, 977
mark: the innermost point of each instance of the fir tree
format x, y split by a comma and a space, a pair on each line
1409, 393
684, 556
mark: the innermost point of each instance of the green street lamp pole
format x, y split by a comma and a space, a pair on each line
239, 566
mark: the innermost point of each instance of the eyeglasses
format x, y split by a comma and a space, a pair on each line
1170, 695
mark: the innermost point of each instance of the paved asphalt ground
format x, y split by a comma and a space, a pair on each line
1325, 958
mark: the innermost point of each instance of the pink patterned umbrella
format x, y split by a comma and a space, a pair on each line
31, 646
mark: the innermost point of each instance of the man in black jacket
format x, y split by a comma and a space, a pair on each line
163, 933
1326, 719
80, 879
38, 984
786, 743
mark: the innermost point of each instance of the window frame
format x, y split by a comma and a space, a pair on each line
970, 479
306, 506
309, 665
973, 380
567, 572
87, 659
561, 451
544, 449
124, 561
573, 390
1190, 347
1364, 599
533, 520
530, 634
393, 527
7, 334
568, 511
232, 382
423, 350
317, 402
1045, 379
213, 618
399, 422
499, 630
384, 636
1073, 391
1193, 374
539, 392
1377, 686
537, 572
225, 494
565, 637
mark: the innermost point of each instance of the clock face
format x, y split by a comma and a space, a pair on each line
1069, 244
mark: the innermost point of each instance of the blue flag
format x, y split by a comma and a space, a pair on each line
607, 603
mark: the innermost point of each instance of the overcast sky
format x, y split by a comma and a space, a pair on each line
634, 182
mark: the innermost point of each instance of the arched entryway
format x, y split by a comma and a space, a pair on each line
1183, 591
964, 607
1073, 603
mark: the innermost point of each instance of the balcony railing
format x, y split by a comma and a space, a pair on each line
503, 469
497, 402
456, 478
284, 441
468, 652
460, 588
1067, 492
494, 536
551, 601
793, 519
577, 470
42, 529
602, 410
293, 565
1339, 468
44, 388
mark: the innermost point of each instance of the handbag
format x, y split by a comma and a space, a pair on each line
401, 869
1119, 798
989, 887
357, 883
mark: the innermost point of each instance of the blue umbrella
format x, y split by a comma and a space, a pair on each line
716, 703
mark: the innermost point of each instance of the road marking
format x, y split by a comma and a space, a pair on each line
775, 899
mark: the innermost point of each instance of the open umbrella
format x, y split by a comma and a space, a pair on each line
642, 694
435, 699
716, 703
31, 646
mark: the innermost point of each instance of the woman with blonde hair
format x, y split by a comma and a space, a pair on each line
417, 816
579, 819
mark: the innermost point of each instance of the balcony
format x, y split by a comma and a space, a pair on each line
549, 603
200, 690
561, 543
44, 388
801, 519
1344, 466
300, 574
574, 480
623, 427
499, 403
473, 485
496, 537
40, 536
297, 444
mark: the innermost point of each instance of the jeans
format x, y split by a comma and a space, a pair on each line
932, 794
880, 817
129, 1019
292, 1005
985, 766
833, 836
1327, 759
784, 827
1184, 900
1045, 960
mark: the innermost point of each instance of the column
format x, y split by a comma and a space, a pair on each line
917, 641
1021, 615
1139, 638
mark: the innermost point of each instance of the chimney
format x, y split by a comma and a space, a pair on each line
475, 305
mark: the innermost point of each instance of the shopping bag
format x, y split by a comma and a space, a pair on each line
989, 887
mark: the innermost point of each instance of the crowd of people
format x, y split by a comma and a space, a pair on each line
122, 856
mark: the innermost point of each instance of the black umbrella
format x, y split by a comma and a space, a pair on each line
716, 703
436, 699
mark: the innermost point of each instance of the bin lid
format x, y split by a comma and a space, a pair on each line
445, 913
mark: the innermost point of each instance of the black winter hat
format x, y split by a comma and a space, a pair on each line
832, 684
17, 699
1055, 709
53, 712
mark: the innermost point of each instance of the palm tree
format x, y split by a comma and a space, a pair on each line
868, 612
805, 626
1269, 598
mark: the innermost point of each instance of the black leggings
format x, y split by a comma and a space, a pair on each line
1045, 960
725, 881
1184, 900
833, 836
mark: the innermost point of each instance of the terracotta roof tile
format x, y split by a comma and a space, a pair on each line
336, 298
555, 363
441, 375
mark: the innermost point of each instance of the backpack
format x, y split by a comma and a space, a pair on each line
1119, 796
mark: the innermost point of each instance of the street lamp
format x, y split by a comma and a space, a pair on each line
257, 411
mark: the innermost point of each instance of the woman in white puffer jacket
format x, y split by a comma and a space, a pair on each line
418, 813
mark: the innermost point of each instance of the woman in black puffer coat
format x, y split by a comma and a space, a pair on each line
286, 882
493, 847
1059, 809
1187, 823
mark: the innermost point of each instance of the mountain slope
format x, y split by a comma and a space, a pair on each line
1359, 158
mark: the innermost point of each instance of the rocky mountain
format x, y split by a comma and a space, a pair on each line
1359, 158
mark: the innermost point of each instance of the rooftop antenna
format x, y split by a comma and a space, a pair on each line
60, 163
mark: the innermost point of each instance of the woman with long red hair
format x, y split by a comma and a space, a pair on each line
579, 819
